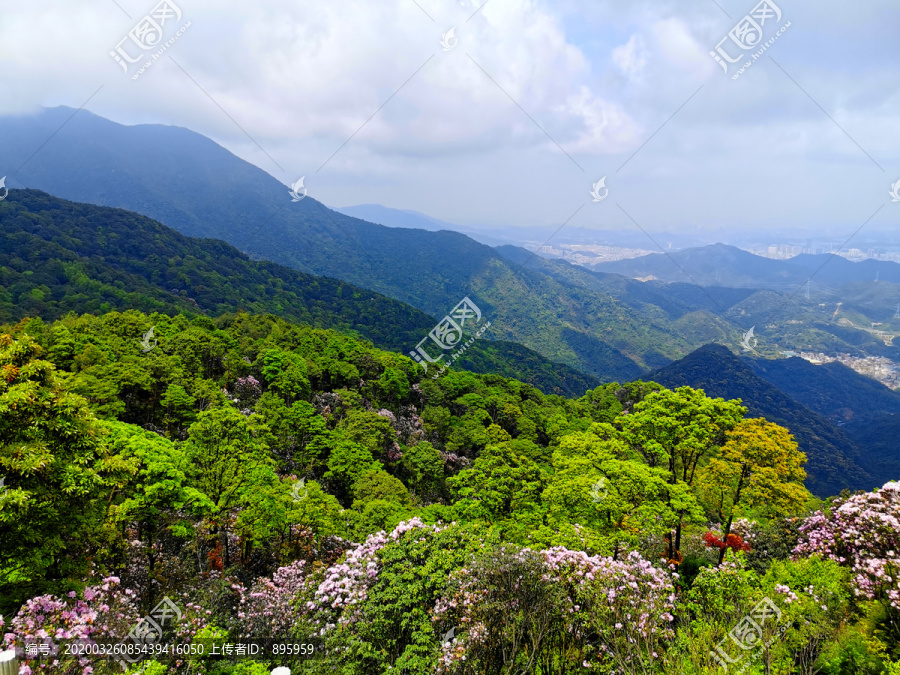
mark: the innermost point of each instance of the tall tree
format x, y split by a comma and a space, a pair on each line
759, 465
53, 467
678, 430
230, 464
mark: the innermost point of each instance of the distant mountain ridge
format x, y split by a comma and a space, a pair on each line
723, 265
602, 324
830, 389
190, 183
413, 220
835, 461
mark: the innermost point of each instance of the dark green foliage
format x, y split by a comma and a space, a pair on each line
834, 459
267, 443
774, 540
54, 466
85, 258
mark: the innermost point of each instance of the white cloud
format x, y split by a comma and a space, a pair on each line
678, 46
599, 77
320, 69
630, 57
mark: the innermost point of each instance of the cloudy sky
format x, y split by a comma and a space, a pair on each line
523, 106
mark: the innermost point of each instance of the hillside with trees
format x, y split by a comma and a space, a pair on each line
279, 480
58, 257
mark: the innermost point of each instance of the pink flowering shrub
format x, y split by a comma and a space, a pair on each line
409, 426
862, 533
269, 607
338, 597
245, 391
168, 569
389, 415
525, 608
345, 585
394, 453
105, 611
626, 606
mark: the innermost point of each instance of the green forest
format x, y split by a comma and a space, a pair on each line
272, 479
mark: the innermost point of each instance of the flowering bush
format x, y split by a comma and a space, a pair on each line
732, 541
624, 608
863, 533
105, 611
745, 529
603, 613
339, 596
245, 391
389, 415
372, 609
268, 608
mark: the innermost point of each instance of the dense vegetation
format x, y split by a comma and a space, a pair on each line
278, 479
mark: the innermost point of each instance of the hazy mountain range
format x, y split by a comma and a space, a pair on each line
809, 402
559, 326
599, 323
58, 257
721, 265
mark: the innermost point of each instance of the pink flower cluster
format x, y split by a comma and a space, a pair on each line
409, 426
387, 413
103, 612
246, 390
862, 532
394, 454
612, 608
790, 596
268, 608
346, 584
455, 460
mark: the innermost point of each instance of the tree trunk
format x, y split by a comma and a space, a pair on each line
737, 499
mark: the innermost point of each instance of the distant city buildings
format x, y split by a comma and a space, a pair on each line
877, 367
587, 254
591, 254
786, 251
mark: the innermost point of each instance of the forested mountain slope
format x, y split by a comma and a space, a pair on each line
58, 257
195, 186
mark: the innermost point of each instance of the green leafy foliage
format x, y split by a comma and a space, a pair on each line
250, 453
